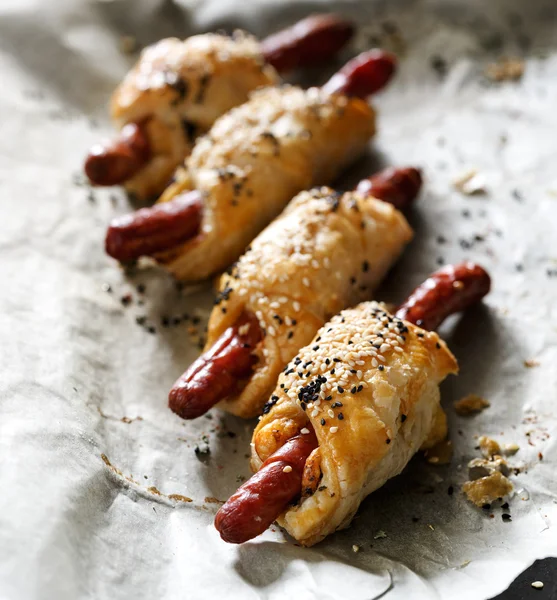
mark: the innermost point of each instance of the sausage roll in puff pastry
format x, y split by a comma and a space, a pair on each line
369, 386
326, 251
350, 411
179, 88
254, 160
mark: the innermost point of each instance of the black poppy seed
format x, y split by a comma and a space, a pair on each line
450, 491
294, 322
327, 361
340, 416
336, 360
290, 335
165, 321
151, 329
318, 339
360, 388
353, 371
336, 404
332, 371
141, 320
282, 385
403, 418
303, 405
420, 335
438, 345
381, 368
486, 506
388, 440
328, 398
141, 288
323, 421
353, 390
340, 390
505, 506
506, 517
315, 348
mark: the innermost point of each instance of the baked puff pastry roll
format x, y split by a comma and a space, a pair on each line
254, 160
368, 385
178, 89
325, 252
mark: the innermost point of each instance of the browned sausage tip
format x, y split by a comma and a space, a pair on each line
450, 290
364, 75
313, 40
155, 229
260, 500
395, 185
219, 372
117, 161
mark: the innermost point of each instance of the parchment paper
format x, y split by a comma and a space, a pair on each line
83, 380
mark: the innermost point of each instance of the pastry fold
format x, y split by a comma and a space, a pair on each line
325, 252
178, 89
369, 385
254, 160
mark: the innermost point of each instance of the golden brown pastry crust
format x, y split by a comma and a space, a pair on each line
178, 89
375, 407
325, 252
255, 159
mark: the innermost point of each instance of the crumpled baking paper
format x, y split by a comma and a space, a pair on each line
97, 474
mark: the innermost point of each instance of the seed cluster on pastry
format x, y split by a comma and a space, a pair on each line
334, 363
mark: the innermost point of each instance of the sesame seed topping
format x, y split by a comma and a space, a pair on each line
304, 431
333, 429
287, 469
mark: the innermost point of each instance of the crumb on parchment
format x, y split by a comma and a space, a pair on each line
531, 363
505, 69
487, 489
489, 447
470, 405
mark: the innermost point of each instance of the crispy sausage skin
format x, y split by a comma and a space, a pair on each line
155, 229
259, 501
116, 161
218, 372
450, 290
395, 185
311, 41
364, 75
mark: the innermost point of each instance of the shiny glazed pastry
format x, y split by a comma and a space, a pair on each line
372, 404
350, 411
178, 88
326, 251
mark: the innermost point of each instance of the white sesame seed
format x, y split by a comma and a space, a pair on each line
360, 363
398, 349
374, 362
381, 358
384, 348
305, 281
287, 469
304, 431
333, 429
331, 413
314, 412
288, 321
538, 585
274, 305
296, 306
271, 330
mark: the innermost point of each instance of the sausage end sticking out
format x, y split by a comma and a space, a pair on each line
450, 290
155, 229
218, 372
397, 186
117, 161
311, 41
364, 75
260, 500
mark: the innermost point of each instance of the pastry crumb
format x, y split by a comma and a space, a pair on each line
510, 449
505, 69
212, 500
470, 405
531, 363
440, 454
470, 182
355, 548
154, 490
489, 447
380, 535
487, 489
